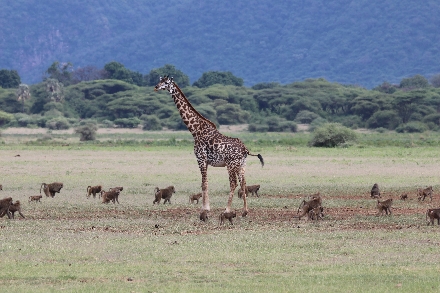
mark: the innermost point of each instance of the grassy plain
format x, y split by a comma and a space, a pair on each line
73, 244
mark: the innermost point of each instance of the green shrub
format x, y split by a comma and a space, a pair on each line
5, 118
387, 119
128, 122
317, 123
306, 116
332, 135
258, 127
58, 123
151, 122
87, 132
107, 123
412, 127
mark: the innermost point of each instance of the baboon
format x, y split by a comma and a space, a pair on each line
250, 190
433, 214
111, 195
16, 207
404, 197
422, 193
4, 206
375, 193
195, 197
51, 189
225, 215
35, 198
384, 206
120, 188
307, 206
316, 213
93, 190
204, 216
165, 193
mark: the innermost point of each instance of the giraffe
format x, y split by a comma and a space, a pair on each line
211, 147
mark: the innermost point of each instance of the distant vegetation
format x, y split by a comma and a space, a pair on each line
118, 97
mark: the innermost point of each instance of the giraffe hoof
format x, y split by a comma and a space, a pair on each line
204, 216
244, 214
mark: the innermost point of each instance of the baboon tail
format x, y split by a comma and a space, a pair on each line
259, 157
42, 186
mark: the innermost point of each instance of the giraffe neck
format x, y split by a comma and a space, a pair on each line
193, 120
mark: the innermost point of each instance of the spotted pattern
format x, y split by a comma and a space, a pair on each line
210, 146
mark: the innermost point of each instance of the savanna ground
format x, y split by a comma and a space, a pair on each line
71, 243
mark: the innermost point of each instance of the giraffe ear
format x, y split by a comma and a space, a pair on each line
172, 78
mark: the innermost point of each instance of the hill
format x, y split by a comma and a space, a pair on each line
363, 42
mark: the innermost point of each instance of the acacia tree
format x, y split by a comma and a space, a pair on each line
55, 89
23, 94
61, 72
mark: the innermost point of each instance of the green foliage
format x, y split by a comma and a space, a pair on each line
116, 70
332, 135
9, 78
127, 122
181, 79
388, 119
151, 122
5, 118
218, 77
87, 132
62, 72
417, 81
228, 114
412, 127
305, 116
58, 123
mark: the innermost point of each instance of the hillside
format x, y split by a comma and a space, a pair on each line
362, 42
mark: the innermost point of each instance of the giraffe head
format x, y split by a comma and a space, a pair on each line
165, 83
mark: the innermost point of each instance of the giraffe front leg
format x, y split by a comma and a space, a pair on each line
205, 197
233, 185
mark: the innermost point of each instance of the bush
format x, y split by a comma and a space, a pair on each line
332, 135
258, 127
151, 122
87, 132
387, 119
412, 127
127, 122
58, 123
306, 116
107, 123
317, 123
5, 118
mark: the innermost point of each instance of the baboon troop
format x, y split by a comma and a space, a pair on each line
195, 197
433, 214
375, 193
36, 198
93, 190
165, 193
422, 193
16, 207
250, 190
111, 195
4, 206
404, 196
51, 189
225, 215
384, 206
307, 206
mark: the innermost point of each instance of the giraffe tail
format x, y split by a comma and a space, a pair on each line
260, 157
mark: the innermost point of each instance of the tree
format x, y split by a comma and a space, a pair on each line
406, 103
87, 132
9, 79
55, 89
332, 135
179, 77
61, 72
417, 81
23, 94
116, 70
214, 77
88, 73
435, 80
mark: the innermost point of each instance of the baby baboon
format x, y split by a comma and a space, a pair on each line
111, 195
433, 214
225, 215
35, 198
307, 206
4, 206
422, 193
375, 193
404, 196
165, 193
16, 207
195, 197
204, 216
384, 206
316, 213
93, 190
250, 190
51, 189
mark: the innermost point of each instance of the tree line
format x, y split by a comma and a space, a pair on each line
116, 96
